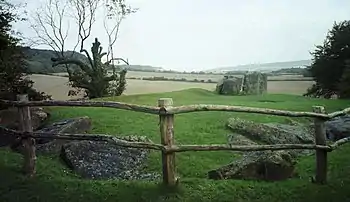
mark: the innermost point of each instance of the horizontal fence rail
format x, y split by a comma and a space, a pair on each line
276, 112
90, 137
173, 148
175, 109
53, 103
166, 111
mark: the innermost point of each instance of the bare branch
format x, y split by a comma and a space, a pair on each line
48, 26
84, 14
115, 12
82, 65
108, 62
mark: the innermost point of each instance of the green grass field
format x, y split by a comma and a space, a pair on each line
54, 182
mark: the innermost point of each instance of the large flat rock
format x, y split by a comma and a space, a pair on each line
77, 125
103, 160
263, 165
273, 133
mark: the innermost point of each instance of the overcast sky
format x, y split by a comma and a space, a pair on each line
204, 34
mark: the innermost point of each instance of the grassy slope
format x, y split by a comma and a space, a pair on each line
55, 183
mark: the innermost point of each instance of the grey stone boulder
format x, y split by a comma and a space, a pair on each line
273, 133
237, 139
104, 160
260, 165
9, 118
338, 128
264, 165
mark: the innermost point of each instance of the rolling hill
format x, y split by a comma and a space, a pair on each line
39, 61
264, 66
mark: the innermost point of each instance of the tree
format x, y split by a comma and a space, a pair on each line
329, 66
13, 72
115, 12
344, 84
51, 30
93, 77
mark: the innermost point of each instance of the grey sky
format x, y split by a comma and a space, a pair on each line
202, 34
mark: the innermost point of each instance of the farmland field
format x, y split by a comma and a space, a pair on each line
58, 88
214, 77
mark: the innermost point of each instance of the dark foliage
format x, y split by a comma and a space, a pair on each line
92, 76
13, 70
330, 64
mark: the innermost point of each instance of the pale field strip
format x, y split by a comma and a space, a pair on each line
213, 77
57, 86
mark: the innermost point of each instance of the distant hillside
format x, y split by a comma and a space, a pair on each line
39, 61
143, 68
296, 70
265, 66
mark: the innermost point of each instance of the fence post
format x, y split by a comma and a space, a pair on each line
25, 121
321, 155
166, 125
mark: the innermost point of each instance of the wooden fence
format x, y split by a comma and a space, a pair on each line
166, 111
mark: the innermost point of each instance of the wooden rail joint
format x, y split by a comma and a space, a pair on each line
166, 127
28, 142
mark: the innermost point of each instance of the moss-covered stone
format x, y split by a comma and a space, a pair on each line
254, 83
271, 133
104, 160
229, 86
262, 165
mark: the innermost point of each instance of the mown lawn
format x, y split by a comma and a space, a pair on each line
54, 182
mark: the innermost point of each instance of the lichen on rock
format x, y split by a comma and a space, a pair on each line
271, 133
263, 165
260, 165
104, 160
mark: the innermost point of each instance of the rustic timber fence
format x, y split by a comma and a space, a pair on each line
166, 111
